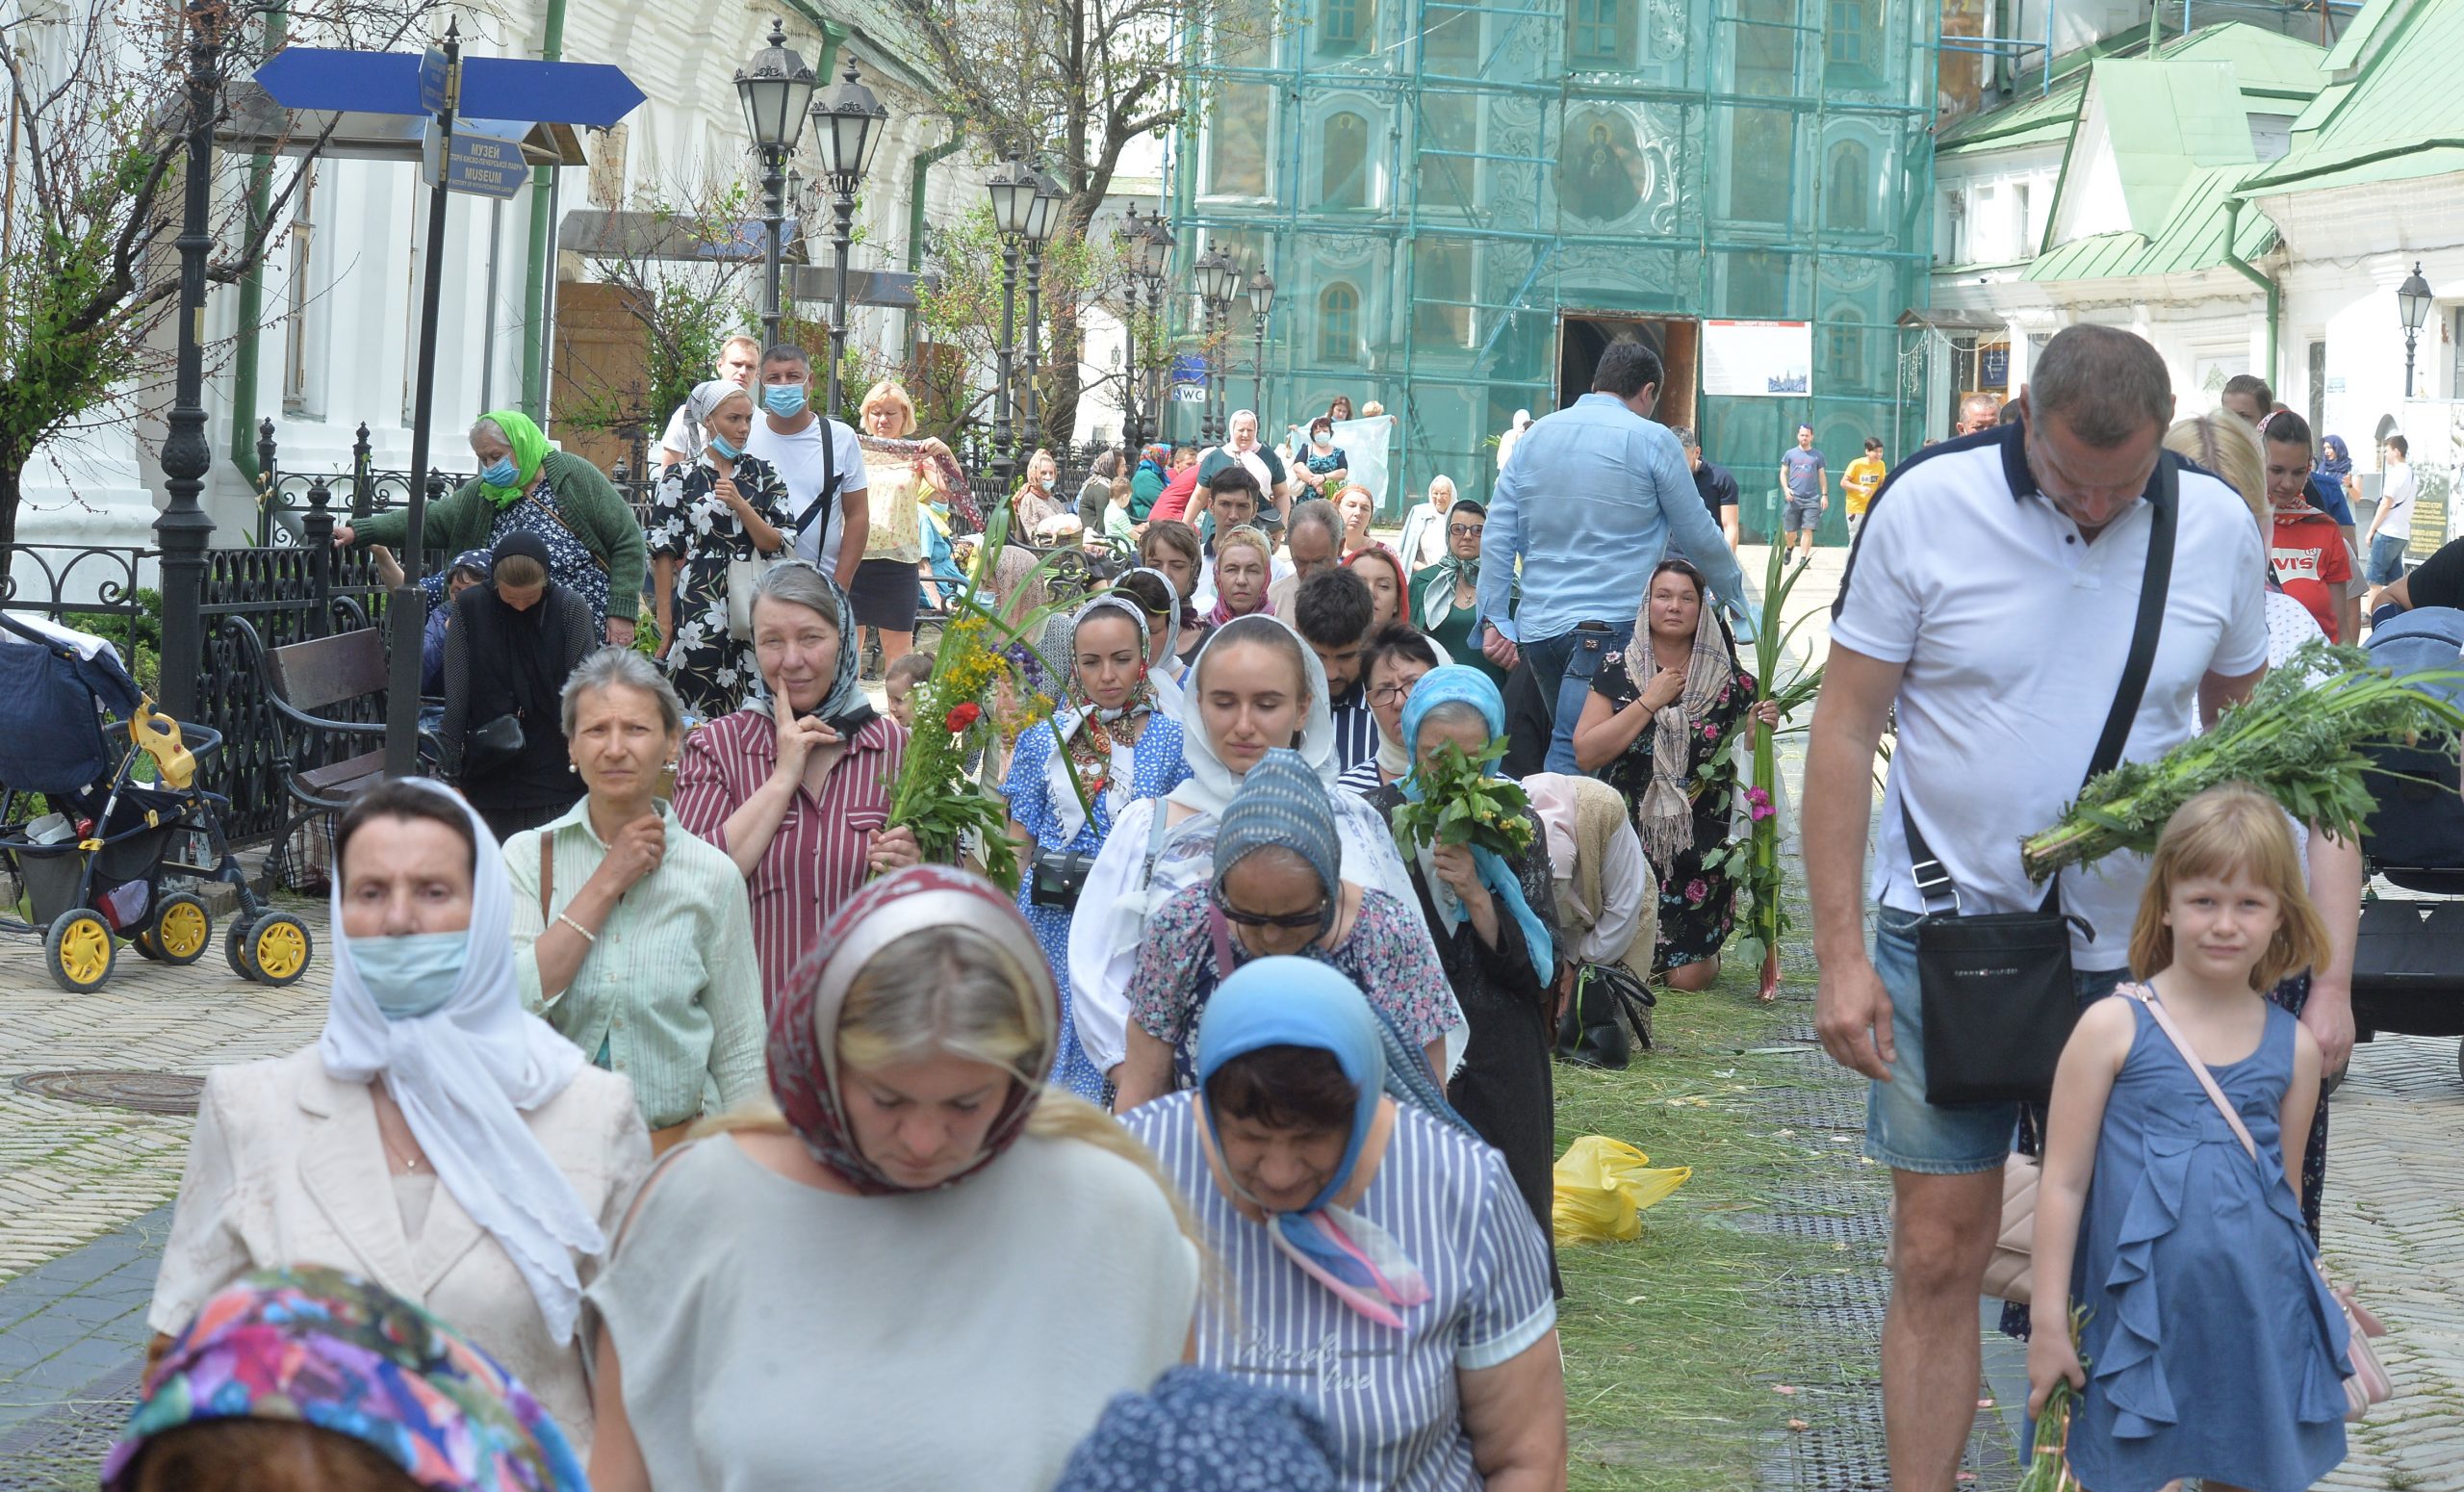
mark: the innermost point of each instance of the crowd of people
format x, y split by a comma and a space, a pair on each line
1241, 1108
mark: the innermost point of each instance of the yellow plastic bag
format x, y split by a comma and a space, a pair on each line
1602, 1186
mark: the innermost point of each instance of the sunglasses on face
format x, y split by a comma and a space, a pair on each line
1296, 921
1463, 530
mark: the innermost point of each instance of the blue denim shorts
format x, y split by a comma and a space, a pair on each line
1902, 1130
2386, 563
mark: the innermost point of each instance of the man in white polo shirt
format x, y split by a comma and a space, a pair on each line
829, 526
1991, 597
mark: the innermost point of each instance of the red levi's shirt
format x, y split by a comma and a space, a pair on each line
2312, 564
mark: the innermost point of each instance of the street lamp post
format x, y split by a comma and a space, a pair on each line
1012, 188
1218, 281
2412, 302
773, 89
1154, 269
1134, 251
184, 530
853, 124
1261, 303
1043, 213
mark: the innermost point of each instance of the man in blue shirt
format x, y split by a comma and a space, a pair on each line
1588, 504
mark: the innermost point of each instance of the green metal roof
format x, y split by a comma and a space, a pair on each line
2190, 239
2403, 118
2276, 74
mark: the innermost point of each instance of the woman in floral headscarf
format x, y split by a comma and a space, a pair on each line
919, 1172
1119, 748
714, 519
1656, 728
308, 1379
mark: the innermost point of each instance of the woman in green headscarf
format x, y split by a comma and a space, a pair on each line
593, 541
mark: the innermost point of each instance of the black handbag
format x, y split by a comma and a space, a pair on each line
487, 747
1996, 988
1608, 1002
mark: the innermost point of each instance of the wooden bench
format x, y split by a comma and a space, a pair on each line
304, 678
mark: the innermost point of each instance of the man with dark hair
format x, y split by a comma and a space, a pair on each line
1232, 502
1313, 540
1593, 499
1991, 597
1805, 492
1713, 484
821, 461
2247, 396
1332, 612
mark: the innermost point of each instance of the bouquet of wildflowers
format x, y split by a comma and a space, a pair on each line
981, 690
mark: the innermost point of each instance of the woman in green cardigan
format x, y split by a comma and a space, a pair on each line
594, 545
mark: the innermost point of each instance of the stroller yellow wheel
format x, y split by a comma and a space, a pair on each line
277, 948
183, 930
80, 949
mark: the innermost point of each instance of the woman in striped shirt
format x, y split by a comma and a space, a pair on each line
1380, 1262
631, 936
795, 786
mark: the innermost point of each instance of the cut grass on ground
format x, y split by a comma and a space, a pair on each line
1674, 1342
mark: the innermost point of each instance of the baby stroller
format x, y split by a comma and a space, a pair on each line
2408, 957
110, 856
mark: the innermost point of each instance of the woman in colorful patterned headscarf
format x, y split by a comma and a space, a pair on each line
1119, 748
1345, 1218
920, 1170
311, 1381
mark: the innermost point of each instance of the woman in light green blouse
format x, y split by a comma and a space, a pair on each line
631, 937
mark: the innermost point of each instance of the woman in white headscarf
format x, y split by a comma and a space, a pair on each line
1255, 687
717, 523
1109, 744
436, 1139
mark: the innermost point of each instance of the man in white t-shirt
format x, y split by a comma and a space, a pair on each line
683, 439
2392, 526
1991, 597
829, 526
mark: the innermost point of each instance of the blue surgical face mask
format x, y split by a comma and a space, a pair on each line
413, 974
500, 473
786, 401
719, 444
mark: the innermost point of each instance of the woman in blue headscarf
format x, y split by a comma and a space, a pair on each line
1379, 1263
1278, 888
1495, 923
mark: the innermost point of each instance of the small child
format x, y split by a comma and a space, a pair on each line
899, 681
1119, 530
2214, 1349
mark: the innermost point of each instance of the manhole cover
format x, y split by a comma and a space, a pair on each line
152, 1093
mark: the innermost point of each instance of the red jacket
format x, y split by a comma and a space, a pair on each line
1175, 499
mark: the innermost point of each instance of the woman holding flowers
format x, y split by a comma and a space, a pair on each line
1115, 746
1664, 745
795, 786
1490, 903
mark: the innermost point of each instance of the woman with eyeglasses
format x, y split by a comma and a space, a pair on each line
1277, 890
1446, 597
1396, 658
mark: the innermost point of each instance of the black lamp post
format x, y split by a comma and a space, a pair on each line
1261, 303
1157, 270
853, 124
1013, 189
1135, 251
773, 89
1218, 281
183, 530
2412, 302
1044, 215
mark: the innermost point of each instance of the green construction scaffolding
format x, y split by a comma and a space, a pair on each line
1462, 200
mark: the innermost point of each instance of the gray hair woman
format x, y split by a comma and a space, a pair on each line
716, 522
633, 937
794, 787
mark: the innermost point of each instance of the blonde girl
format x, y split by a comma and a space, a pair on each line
2210, 1347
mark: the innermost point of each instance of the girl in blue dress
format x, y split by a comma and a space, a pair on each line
2211, 1346
1121, 748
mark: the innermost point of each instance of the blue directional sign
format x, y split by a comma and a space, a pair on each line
498, 88
433, 67
485, 159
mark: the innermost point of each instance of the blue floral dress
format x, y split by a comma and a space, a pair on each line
1160, 768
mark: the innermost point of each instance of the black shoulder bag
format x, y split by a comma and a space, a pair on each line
818, 509
1999, 1000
